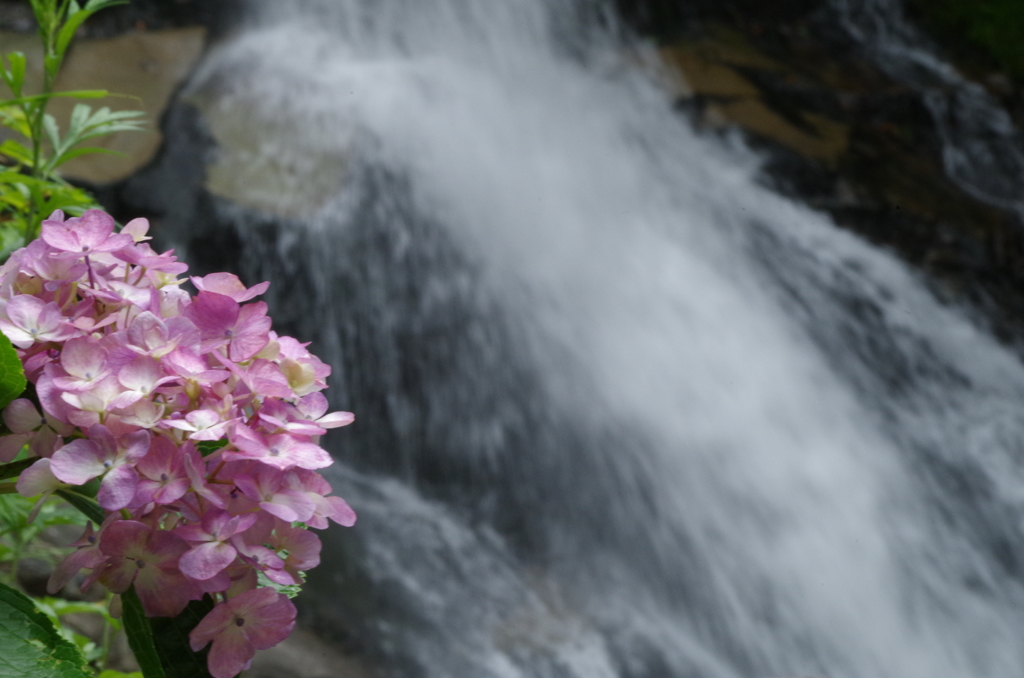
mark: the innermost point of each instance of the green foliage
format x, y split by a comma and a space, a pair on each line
56, 608
994, 26
12, 373
32, 646
171, 638
30, 188
33, 640
140, 636
290, 590
20, 538
86, 505
208, 447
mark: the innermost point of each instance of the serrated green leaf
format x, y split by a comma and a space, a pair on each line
12, 372
140, 635
32, 647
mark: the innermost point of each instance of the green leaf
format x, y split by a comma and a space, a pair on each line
87, 506
67, 31
171, 636
140, 635
290, 590
208, 447
12, 372
15, 77
32, 647
52, 131
77, 94
16, 152
84, 150
14, 469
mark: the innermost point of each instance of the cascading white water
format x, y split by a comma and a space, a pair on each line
718, 436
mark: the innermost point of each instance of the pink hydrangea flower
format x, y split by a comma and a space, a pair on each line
200, 421
91, 233
147, 558
254, 620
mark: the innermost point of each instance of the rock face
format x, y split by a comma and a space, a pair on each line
844, 137
146, 67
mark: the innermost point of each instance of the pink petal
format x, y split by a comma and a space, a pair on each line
211, 626
36, 479
126, 538
70, 566
11, 445
118, 488
59, 237
207, 560
137, 229
336, 419
164, 549
213, 314
314, 405
21, 416
24, 310
172, 491
267, 625
289, 506
136, 445
252, 332
163, 593
83, 358
118, 574
230, 654
78, 462
141, 374
95, 230
342, 513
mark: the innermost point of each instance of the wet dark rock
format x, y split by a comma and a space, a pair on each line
842, 136
218, 16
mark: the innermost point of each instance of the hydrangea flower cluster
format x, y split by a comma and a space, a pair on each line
199, 422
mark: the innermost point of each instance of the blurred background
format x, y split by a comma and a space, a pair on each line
683, 336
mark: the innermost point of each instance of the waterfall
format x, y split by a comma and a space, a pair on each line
621, 411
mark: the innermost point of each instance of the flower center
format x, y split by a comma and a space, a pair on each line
274, 452
239, 621
163, 477
107, 463
140, 564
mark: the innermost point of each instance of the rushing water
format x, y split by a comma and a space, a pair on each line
621, 412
